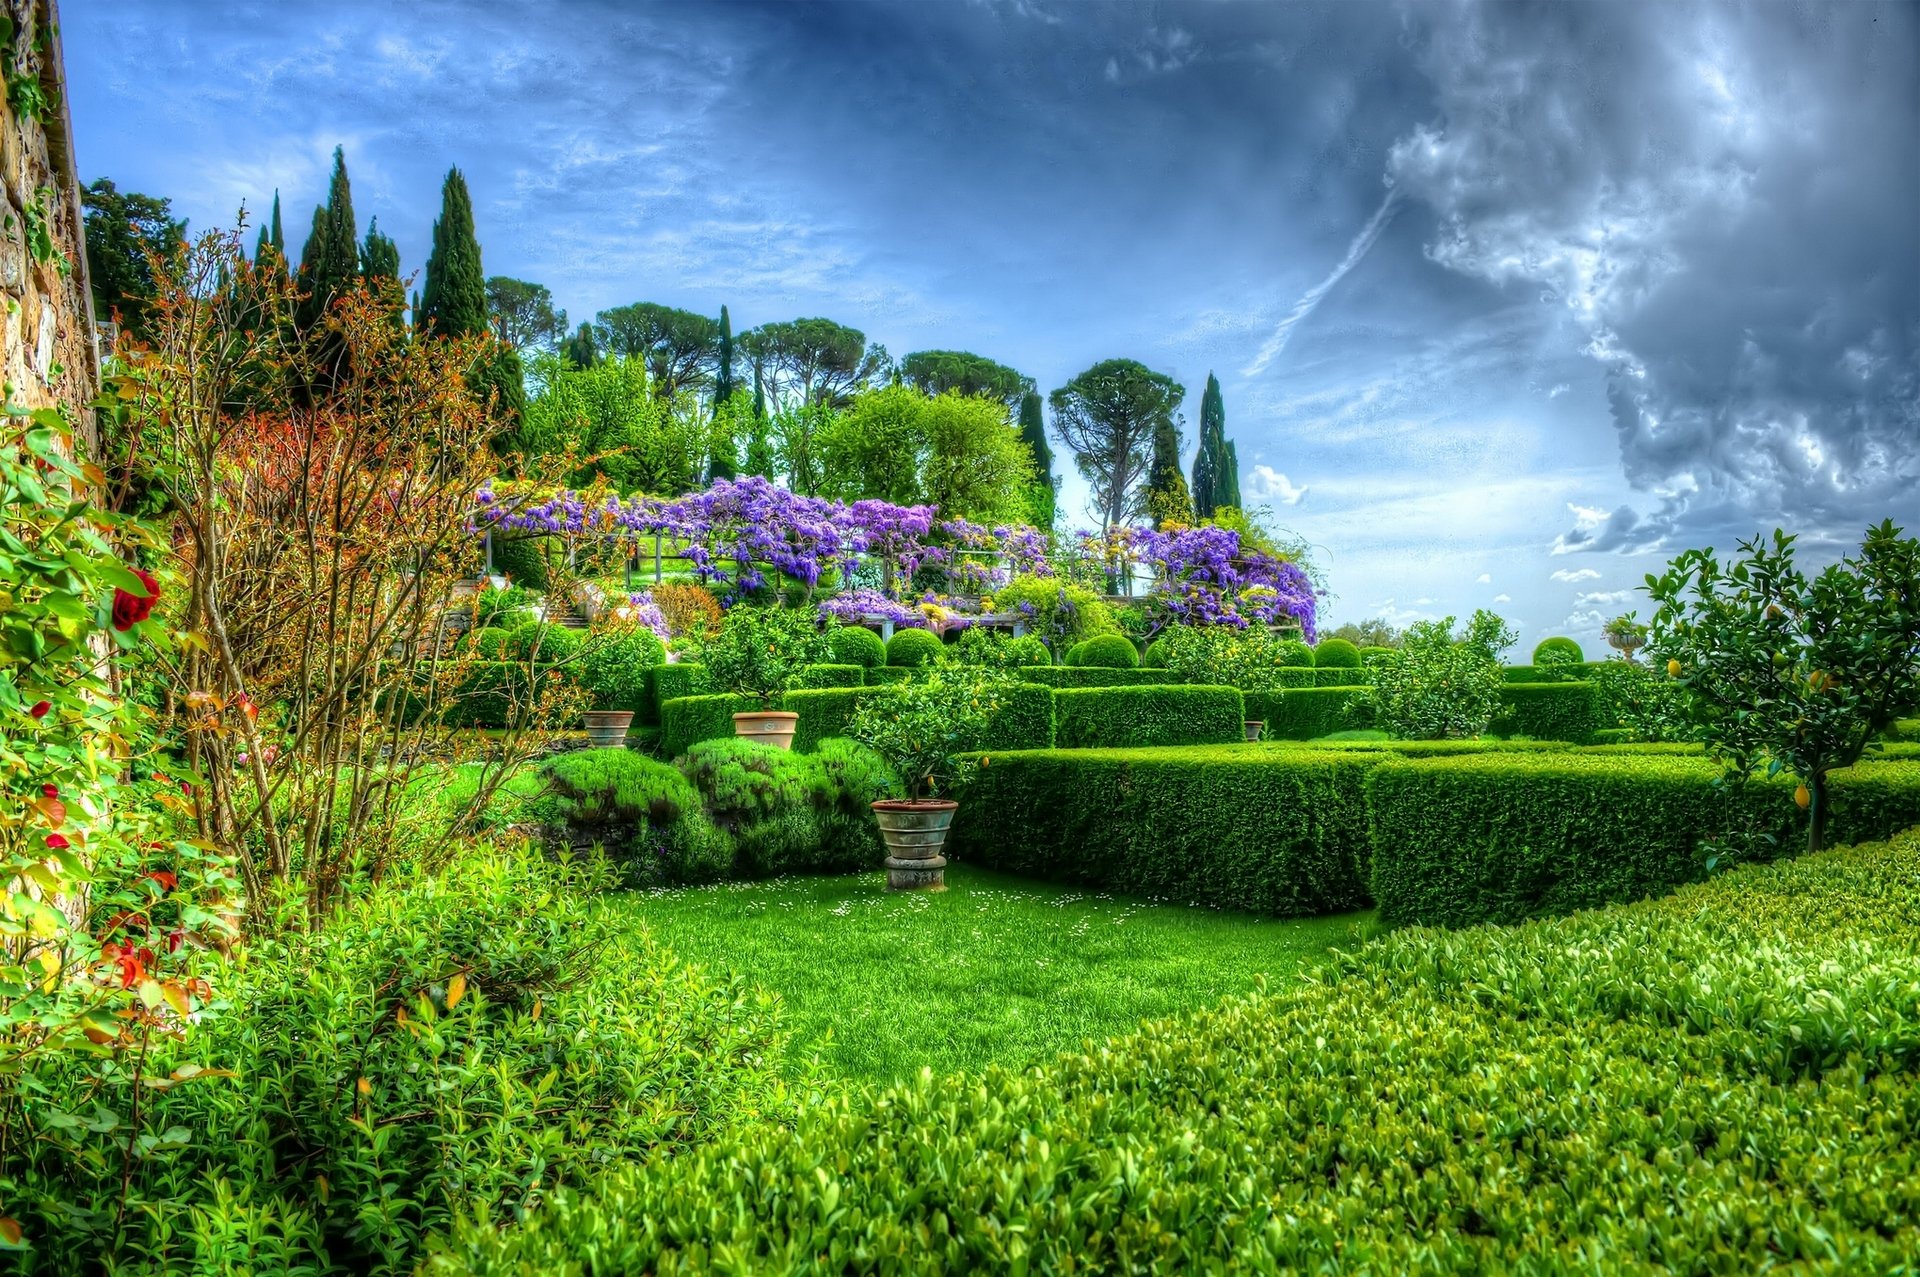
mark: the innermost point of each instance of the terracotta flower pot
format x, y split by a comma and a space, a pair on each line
771, 726
1254, 727
607, 728
915, 831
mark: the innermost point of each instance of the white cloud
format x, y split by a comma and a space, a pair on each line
1503, 598
1582, 574
1269, 484
1558, 390
1602, 598
1485, 578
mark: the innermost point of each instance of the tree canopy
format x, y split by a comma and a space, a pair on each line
814, 360
1046, 487
122, 229
523, 314
330, 260
937, 371
453, 301
898, 444
676, 345
1107, 416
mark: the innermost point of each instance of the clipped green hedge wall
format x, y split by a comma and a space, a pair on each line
685, 721
670, 682
1505, 836
1105, 651
1261, 828
881, 675
1025, 722
1550, 673
1090, 676
1339, 676
823, 713
814, 676
1653, 1088
1551, 711
1300, 713
1134, 717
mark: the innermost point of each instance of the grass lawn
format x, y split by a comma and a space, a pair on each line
996, 969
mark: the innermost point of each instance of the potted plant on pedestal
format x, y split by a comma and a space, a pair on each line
930, 730
1626, 635
613, 671
759, 652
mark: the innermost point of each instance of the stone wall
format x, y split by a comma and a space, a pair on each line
48, 340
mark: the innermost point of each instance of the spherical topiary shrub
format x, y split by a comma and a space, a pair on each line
526, 561
910, 649
1027, 651
1155, 657
487, 644
856, 645
1295, 654
1336, 654
539, 640
1109, 651
1558, 651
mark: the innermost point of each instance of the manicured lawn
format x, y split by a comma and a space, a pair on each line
996, 969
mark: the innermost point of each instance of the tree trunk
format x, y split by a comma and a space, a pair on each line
1817, 811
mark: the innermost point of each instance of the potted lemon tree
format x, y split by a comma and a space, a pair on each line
759, 653
931, 730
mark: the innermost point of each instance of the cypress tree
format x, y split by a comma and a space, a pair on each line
330, 261
453, 299
760, 459
1168, 500
581, 350
723, 375
272, 237
1046, 488
1210, 458
279, 237
1230, 484
380, 263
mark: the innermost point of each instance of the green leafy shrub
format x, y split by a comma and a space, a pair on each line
542, 641
1440, 684
1155, 657
1105, 651
911, 649
1092, 676
489, 643
526, 561
1551, 711
1658, 1087
506, 609
926, 728
819, 676
1305, 713
998, 650
1131, 717
670, 682
1253, 659
1023, 720
1373, 655
1551, 652
1027, 652
760, 651
1336, 653
641, 810
856, 645
685, 721
793, 813
1058, 613
614, 668
1295, 655
824, 713
1503, 836
887, 676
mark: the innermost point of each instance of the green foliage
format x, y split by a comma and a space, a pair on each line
330, 259
526, 561
1373, 654
523, 314
1131, 717
1024, 719
614, 669
670, 682
1251, 659
642, 811
1105, 651
1502, 836
1303, 713
1058, 613
1551, 711
1549, 673
606, 418
494, 607
1441, 685
1155, 657
1558, 651
958, 452
124, 232
793, 813
543, 641
911, 649
488, 643
1652, 1088
824, 713
1026, 652
926, 728
1093, 676
1336, 653
937, 372
1790, 673
1168, 501
676, 346
453, 300
856, 645
1296, 654
760, 651
818, 676
1644, 702
1262, 829
1209, 460
685, 721
1044, 495
1109, 416
996, 650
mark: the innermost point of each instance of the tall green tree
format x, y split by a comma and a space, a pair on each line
1045, 497
935, 372
523, 314
1210, 459
1228, 492
1168, 500
453, 299
582, 349
272, 239
122, 230
723, 361
1108, 416
380, 263
330, 261
730, 409
815, 360
676, 344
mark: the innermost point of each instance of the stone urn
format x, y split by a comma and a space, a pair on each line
768, 726
1254, 727
915, 830
607, 728
1625, 644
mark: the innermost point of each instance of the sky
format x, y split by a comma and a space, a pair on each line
1509, 303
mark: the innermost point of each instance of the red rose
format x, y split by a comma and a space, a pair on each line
51, 791
40, 710
129, 610
58, 842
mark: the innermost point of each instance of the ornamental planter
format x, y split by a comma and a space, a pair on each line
915, 831
1254, 727
607, 728
770, 727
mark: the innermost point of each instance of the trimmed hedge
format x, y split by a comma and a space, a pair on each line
814, 676
1336, 653
1339, 676
1301, 713
1570, 712
1502, 837
882, 675
1134, 717
824, 713
1026, 722
1267, 829
670, 682
1296, 655
685, 721
1086, 676
1565, 650
1653, 1088
1550, 673
909, 649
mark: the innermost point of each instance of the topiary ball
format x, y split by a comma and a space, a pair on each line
543, 641
856, 645
1155, 657
1336, 654
1109, 651
1073, 655
1027, 651
1294, 654
910, 649
488, 643
1558, 651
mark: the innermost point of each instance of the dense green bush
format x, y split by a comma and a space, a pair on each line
792, 813
1552, 652
1058, 613
1093, 676
856, 645
887, 675
545, 641
1340, 676
1551, 711
1336, 653
1267, 829
454, 1046
823, 713
1655, 1088
670, 682
910, 649
488, 643
818, 676
1295, 655
1105, 651
1373, 654
685, 721
1644, 701
1027, 652
1155, 657
642, 811
1305, 713
1503, 836
488, 691
526, 561
760, 651
1132, 717
614, 669
1440, 684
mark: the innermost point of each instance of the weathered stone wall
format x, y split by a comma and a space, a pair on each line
47, 332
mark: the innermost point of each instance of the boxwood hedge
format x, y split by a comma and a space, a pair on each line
1651, 1088
1092, 676
1131, 717
1551, 711
1301, 713
670, 682
685, 721
1550, 673
1501, 836
831, 676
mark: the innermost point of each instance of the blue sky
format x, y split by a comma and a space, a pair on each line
1508, 303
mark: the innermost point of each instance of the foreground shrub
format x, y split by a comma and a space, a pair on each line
642, 811
1336, 653
456, 1046
1657, 1088
792, 813
1440, 684
614, 670
1130, 717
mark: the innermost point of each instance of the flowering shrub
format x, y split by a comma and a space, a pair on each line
1057, 612
690, 611
858, 606
643, 611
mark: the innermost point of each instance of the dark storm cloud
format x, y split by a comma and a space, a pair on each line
1725, 199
